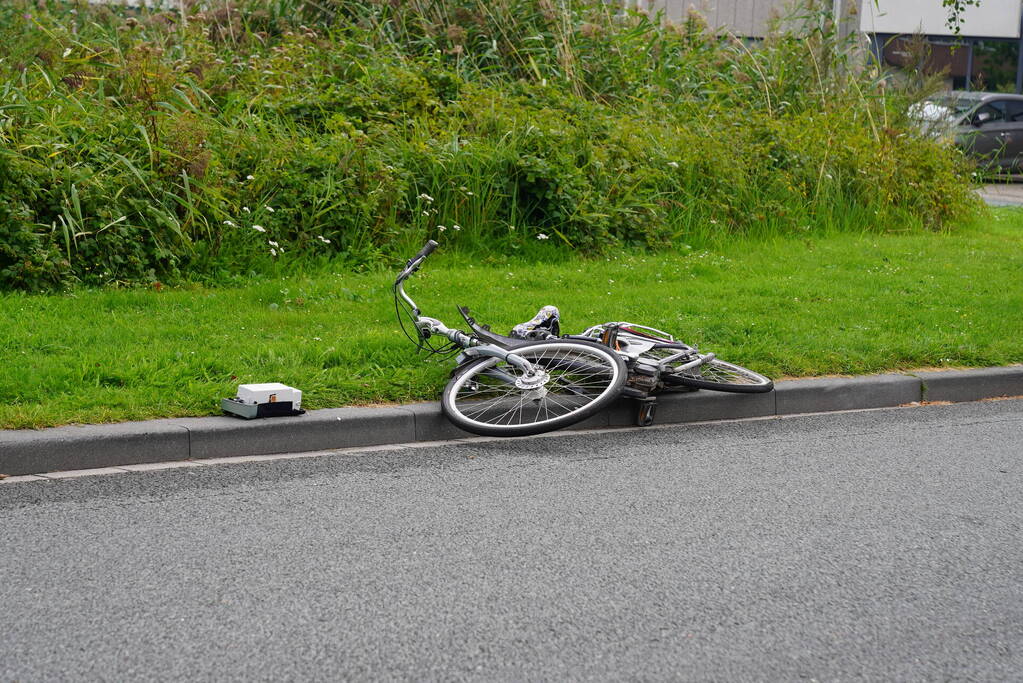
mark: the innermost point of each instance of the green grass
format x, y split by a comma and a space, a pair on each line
838, 304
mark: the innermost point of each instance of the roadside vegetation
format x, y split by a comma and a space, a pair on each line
841, 303
275, 137
191, 201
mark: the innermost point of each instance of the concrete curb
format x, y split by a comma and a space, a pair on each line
135, 443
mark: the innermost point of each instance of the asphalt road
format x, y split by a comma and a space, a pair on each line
882, 545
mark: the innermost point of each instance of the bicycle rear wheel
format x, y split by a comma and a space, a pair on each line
581, 378
715, 374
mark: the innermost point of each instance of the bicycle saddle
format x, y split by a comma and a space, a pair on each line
484, 333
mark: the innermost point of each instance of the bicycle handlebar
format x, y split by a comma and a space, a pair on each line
426, 250
411, 266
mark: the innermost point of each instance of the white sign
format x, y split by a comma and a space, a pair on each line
992, 19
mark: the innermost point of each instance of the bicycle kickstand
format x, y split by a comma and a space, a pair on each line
645, 409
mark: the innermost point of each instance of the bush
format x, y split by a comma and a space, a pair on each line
258, 135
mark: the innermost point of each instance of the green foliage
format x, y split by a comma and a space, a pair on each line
956, 10
259, 136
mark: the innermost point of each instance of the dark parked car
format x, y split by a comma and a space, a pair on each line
988, 126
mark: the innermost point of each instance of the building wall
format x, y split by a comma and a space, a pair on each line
741, 17
745, 18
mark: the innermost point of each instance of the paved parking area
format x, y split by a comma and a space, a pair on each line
1008, 193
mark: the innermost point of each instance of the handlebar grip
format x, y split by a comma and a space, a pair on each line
426, 250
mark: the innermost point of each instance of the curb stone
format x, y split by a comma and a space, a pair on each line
827, 394
26, 452
317, 430
971, 385
91, 446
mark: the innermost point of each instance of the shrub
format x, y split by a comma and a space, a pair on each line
137, 147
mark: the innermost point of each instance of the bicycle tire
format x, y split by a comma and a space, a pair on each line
585, 377
719, 375
715, 374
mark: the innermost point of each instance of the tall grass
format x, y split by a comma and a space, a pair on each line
263, 136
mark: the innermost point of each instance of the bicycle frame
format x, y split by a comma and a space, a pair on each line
632, 341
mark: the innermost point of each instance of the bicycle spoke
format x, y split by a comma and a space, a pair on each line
576, 377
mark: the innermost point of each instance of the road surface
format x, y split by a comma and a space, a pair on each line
882, 544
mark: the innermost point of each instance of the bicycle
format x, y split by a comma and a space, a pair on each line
536, 380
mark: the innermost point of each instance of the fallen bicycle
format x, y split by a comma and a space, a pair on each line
536, 380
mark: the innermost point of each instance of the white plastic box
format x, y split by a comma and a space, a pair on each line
264, 400
272, 392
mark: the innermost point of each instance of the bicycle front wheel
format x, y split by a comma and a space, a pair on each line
578, 379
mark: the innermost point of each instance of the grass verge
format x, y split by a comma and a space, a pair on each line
838, 304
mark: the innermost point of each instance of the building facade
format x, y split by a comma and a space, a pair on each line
747, 18
987, 52
744, 18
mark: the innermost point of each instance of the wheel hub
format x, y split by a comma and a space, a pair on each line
533, 381
537, 394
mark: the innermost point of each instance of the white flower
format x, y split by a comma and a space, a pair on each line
426, 213
323, 239
272, 243
441, 228
229, 223
248, 177
270, 209
258, 228
542, 236
425, 197
245, 209
456, 226
673, 164
273, 251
